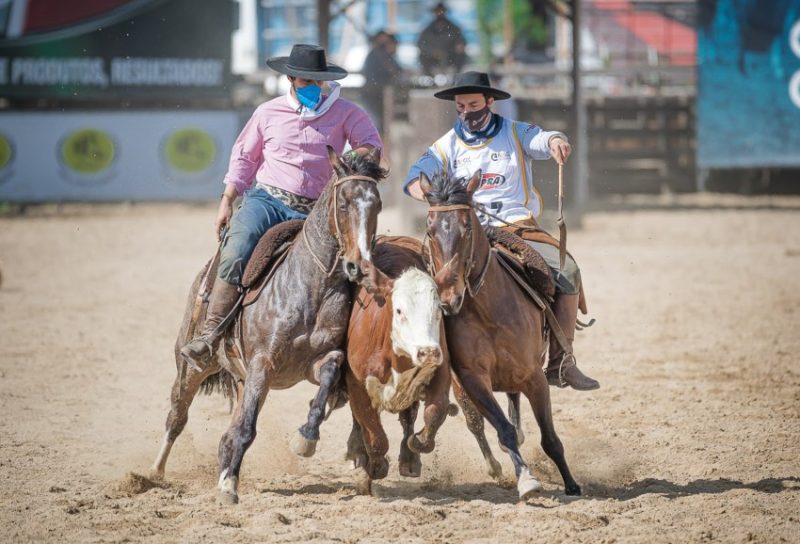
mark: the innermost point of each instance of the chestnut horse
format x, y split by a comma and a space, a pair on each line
396, 355
495, 332
297, 327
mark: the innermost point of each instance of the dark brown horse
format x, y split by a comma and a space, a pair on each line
495, 332
296, 329
396, 355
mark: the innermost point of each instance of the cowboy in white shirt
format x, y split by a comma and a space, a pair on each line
502, 148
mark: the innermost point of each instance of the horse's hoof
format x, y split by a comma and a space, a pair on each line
573, 490
452, 409
155, 474
527, 485
417, 446
378, 469
411, 468
302, 446
363, 483
494, 469
228, 499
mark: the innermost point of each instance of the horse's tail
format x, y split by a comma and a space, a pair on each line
222, 382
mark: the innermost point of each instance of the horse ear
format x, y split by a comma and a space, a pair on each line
375, 155
336, 162
474, 181
424, 184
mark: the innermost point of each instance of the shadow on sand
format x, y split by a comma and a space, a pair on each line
697, 487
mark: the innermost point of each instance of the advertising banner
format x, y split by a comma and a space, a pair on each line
109, 156
131, 50
748, 104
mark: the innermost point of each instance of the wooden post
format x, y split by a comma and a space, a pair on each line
323, 22
580, 141
508, 30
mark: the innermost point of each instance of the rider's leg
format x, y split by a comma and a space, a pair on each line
258, 212
562, 369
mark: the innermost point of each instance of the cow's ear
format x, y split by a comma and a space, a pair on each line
377, 284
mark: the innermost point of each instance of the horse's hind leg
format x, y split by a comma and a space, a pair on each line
514, 416
538, 394
184, 389
409, 463
242, 430
480, 392
304, 442
476, 427
356, 452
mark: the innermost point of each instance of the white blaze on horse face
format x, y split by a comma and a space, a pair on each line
416, 318
363, 204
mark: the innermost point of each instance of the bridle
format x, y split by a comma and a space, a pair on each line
338, 230
426, 251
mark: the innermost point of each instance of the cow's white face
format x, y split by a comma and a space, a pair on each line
416, 318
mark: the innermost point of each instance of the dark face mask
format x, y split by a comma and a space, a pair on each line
474, 120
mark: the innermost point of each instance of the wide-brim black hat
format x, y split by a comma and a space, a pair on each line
307, 62
469, 83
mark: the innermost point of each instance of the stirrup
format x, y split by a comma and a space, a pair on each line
190, 360
567, 361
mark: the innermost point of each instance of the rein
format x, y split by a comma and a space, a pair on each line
338, 233
473, 291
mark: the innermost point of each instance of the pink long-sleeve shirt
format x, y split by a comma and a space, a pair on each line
282, 148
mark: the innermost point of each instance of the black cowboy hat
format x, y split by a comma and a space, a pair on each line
307, 62
439, 6
472, 82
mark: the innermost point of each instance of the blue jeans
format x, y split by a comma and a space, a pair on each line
258, 212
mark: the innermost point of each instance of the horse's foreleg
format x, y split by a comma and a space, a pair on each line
514, 416
437, 404
409, 463
184, 389
475, 425
480, 392
538, 394
242, 430
304, 442
375, 440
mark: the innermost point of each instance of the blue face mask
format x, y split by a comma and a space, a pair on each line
308, 95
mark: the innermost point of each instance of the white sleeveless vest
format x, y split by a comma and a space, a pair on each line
506, 189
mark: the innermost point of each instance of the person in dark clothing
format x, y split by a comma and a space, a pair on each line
380, 70
441, 45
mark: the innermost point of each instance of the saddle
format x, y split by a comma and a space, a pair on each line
541, 235
524, 260
267, 255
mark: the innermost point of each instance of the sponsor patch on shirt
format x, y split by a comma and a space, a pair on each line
489, 180
500, 156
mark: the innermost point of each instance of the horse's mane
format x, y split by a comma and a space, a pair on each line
356, 166
447, 190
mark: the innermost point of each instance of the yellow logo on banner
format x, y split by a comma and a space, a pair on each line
190, 150
6, 152
88, 151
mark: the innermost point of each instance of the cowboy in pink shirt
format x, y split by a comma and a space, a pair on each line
280, 163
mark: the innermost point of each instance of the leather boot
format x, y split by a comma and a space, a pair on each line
562, 370
198, 352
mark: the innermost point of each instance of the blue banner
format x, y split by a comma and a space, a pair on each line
749, 83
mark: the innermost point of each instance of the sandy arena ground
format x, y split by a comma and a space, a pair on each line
693, 436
